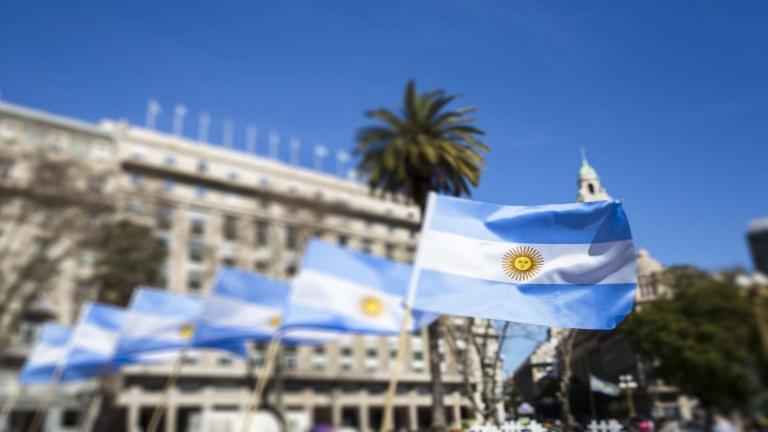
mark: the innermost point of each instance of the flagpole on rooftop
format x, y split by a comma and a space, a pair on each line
409, 296
172, 379
261, 382
9, 404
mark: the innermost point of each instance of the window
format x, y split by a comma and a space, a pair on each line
95, 184
168, 185
234, 176
290, 270
5, 168
230, 227
197, 224
201, 191
261, 233
390, 250
70, 418
591, 188
136, 180
261, 266
134, 206
202, 166
229, 261
367, 245
343, 240
170, 160
291, 237
194, 281
164, 216
196, 251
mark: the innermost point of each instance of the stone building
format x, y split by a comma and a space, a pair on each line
210, 206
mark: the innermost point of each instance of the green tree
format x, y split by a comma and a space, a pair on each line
425, 147
127, 255
704, 341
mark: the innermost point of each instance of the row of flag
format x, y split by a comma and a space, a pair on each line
569, 265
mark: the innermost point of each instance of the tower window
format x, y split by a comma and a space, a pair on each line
591, 188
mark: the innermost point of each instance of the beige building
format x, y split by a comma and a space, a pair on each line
212, 206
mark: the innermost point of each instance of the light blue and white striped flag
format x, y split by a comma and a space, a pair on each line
93, 342
569, 265
352, 292
160, 325
47, 355
247, 306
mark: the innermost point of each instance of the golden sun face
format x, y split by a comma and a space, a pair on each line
275, 321
522, 263
186, 331
371, 306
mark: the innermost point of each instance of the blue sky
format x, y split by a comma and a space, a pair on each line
670, 99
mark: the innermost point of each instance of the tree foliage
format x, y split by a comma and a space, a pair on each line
424, 148
128, 255
704, 340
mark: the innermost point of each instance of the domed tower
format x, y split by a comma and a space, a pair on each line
590, 188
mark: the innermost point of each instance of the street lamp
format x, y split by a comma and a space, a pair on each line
628, 384
757, 287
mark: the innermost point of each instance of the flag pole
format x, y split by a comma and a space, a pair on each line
9, 404
412, 283
95, 394
261, 381
42, 407
154, 422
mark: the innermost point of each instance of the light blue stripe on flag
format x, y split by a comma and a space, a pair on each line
347, 291
570, 265
93, 341
47, 355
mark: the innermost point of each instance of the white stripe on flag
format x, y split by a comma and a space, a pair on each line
589, 264
343, 297
94, 339
47, 355
222, 311
154, 327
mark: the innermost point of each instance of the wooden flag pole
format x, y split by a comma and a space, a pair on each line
409, 296
261, 382
154, 422
5, 413
387, 417
42, 407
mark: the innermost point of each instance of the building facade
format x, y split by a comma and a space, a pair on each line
214, 206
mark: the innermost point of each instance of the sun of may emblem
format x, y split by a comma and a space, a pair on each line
522, 263
275, 321
371, 306
186, 331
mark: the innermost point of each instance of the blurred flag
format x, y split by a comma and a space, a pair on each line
159, 325
47, 355
247, 306
569, 265
93, 341
599, 386
343, 290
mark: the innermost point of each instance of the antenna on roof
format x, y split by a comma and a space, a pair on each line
250, 138
342, 158
295, 146
153, 110
274, 141
202, 129
320, 153
228, 132
583, 154
179, 111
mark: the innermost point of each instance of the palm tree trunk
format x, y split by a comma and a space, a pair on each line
436, 384
420, 195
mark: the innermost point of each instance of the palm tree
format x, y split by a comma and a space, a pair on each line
424, 148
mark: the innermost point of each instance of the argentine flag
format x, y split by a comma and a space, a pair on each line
569, 265
351, 292
248, 306
159, 325
93, 342
47, 355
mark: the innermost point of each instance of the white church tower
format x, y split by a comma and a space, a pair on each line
590, 188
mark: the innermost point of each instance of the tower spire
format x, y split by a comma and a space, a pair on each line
590, 188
